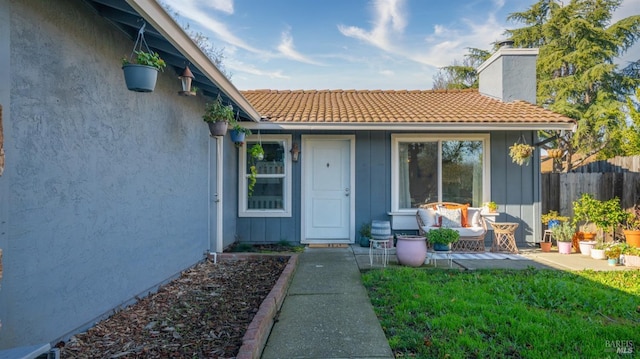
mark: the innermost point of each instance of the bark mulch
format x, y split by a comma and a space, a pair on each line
202, 314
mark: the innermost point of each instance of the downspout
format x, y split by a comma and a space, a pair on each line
219, 192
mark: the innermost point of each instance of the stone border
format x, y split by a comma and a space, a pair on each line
255, 338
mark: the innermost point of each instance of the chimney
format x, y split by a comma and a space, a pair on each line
509, 74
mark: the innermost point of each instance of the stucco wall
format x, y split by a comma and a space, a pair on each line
105, 191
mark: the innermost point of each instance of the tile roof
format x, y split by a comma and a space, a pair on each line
406, 107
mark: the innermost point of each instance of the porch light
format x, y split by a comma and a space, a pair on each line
185, 79
295, 152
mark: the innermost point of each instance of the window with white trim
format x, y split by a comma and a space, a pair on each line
265, 182
433, 168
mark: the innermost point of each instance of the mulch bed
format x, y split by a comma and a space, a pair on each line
202, 314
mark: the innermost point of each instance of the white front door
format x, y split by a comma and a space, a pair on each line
327, 189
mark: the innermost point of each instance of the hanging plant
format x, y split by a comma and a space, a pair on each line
253, 173
141, 68
257, 152
554, 153
521, 152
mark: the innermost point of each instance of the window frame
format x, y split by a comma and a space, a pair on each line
396, 139
243, 211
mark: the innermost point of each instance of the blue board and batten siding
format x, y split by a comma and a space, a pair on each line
514, 187
105, 192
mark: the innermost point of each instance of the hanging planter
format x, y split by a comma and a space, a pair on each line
521, 152
238, 133
554, 153
218, 116
142, 67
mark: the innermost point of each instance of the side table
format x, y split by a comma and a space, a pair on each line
432, 256
379, 249
504, 237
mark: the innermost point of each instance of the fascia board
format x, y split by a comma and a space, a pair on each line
153, 12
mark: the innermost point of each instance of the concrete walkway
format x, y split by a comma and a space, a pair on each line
327, 313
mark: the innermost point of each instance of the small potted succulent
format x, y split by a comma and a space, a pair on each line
218, 116
442, 238
521, 153
141, 70
492, 206
613, 253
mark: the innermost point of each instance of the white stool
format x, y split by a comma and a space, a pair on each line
379, 248
548, 236
431, 256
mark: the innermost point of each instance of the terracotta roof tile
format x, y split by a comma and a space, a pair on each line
378, 106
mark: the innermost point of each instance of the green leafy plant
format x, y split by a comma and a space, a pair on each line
217, 112
603, 214
443, 236
632, 220
238, 128
553, 215
563, 232
256, 151
253, 173
146, 58
521, 153
365, 230
491, 206
613, 251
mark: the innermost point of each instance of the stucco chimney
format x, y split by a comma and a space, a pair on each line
509, 74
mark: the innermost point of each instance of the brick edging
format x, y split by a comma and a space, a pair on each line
255, 338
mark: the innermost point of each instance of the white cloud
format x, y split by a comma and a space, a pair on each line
193, 10
387, 73
240, 66
287, 49
389, 19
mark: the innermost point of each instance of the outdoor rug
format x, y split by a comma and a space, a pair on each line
455, 256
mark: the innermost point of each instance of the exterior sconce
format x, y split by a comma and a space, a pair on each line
185, 79
295, 152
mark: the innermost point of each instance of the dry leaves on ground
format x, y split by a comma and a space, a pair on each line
202, 314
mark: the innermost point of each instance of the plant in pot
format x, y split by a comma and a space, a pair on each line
492, 206
553, 218
521, 153
563, 233
239, 133
365, 234
255, 153
217, 116
597, 252
613, 253
141, 70
605, 215
631, 256
441, 238
631, 227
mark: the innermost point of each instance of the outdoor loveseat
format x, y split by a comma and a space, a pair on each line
467, 221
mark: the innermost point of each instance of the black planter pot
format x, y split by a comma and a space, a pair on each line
140, 78
218, 128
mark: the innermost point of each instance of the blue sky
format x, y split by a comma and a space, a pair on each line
351, 44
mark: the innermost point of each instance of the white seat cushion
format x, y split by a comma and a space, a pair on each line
470, 231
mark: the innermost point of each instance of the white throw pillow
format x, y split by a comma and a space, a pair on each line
451, 218
473, 217
427, 216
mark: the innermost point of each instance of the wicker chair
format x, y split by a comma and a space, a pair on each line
471, 239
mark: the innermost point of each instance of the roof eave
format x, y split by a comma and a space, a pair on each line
153, 12
264, 125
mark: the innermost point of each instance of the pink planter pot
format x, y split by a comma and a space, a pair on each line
564, 247
411, 250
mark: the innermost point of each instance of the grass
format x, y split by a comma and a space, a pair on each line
506, 313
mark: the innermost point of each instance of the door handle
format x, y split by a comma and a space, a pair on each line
347, 191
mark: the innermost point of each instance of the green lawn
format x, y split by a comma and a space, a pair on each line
507, 313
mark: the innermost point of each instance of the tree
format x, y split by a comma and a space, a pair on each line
576, 73
461, 76
631, 135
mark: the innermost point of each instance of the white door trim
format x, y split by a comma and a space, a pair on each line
352, 185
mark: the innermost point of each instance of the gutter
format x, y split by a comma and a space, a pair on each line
265, 125
153, 13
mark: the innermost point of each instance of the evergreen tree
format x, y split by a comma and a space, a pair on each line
461, 76
576, 73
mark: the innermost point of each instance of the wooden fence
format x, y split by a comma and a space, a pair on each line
615, 177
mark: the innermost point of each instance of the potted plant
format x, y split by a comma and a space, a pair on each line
238, 133
613, 254
491, 206
255, 153
217, 116
441, 238
631, 226
365, 234
141, 70
521, 153
553, 218
563, 233
631, 256
597, 252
